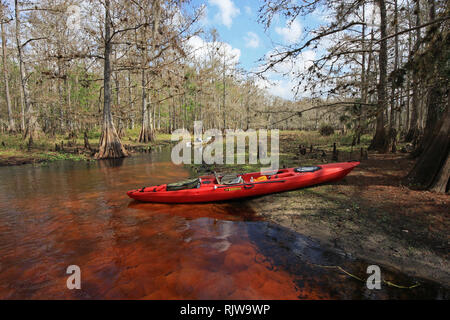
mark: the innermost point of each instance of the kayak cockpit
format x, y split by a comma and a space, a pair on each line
183, 185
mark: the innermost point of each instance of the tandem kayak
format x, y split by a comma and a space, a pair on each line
226, 187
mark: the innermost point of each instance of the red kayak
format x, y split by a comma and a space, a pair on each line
225, 187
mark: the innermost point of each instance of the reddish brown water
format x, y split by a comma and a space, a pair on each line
70, 213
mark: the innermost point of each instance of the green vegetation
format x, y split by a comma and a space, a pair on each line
289, 156
326, 130
14, 149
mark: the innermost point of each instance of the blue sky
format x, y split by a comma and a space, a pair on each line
237, 25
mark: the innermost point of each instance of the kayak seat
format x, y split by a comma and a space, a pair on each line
231, 179
183, 185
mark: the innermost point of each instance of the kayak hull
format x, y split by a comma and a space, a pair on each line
209, 191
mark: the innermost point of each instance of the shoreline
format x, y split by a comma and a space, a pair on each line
368, 215
429, 266
341, 216
17, 154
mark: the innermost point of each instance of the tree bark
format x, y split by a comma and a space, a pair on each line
146, 134
11, 124
392, 133
120, 124
413, 131
30, 119
441, 184
379, 141
110, 145
364, 85
62, 103
22, 111
87, 145
130, 101
431, 170
433, 96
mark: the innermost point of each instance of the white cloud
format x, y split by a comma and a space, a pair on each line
291, 66
282, 88
227, 11
324, 15
248, 10
252, 40
177, 17
291, 33
201, 50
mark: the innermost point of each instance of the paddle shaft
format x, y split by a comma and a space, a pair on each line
248, 184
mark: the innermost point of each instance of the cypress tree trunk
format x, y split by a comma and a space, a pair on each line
120, 126
11, 124
413, 131
433, 106
379, 141
30, 119
431, 170
441, 184
434, 93
61, 103
130, 101
110, 145
146, 134
359, 129
392, 133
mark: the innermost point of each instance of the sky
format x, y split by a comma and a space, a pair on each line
237, 26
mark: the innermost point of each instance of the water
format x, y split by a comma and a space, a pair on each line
77, 213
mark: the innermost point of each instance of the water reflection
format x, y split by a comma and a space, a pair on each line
111, 162
78, 213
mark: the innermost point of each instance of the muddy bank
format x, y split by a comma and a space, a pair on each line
369, 215
17, 161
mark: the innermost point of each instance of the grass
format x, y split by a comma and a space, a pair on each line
13, 156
